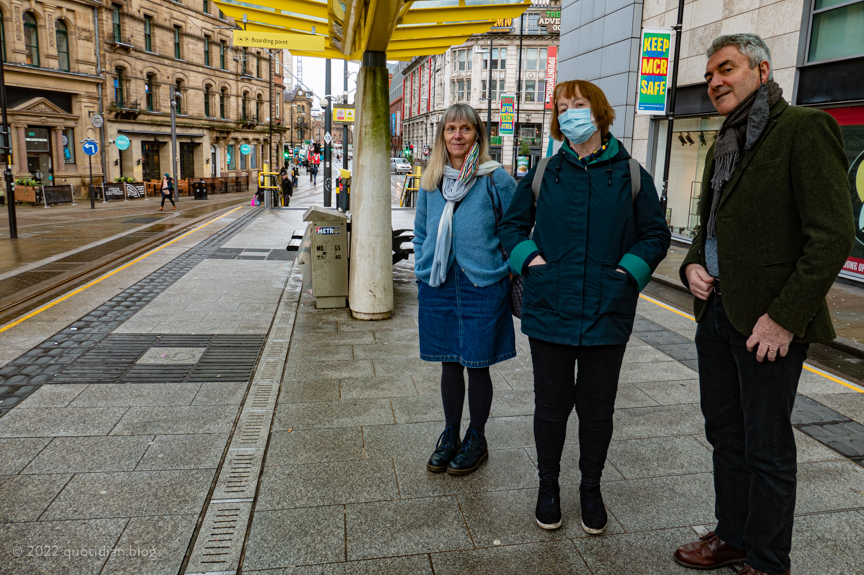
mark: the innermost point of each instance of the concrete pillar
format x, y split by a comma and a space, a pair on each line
59, 160
371, 283
21, 159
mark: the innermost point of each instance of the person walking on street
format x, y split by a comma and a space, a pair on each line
598, 234
167, 191
313, 169
776, 227
287, 188
463, 281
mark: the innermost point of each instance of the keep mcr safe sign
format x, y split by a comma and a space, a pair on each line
654, 70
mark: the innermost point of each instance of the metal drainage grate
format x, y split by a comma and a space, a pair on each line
221, 538
261, 394
252, 430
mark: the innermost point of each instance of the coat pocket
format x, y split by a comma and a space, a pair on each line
541, 287
619, 293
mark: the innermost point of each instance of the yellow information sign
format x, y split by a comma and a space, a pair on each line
279, 41
344, 115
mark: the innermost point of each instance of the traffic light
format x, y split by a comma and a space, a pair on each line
285, 154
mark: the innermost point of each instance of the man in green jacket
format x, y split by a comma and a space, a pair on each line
775, 228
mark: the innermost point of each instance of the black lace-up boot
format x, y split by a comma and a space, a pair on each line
447, 447
474, 452
548, 511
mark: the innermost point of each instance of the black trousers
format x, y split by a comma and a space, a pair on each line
748, 407
168, 197
557, 391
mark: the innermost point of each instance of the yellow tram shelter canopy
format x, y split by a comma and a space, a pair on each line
350, 27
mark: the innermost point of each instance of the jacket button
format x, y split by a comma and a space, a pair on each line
475, 285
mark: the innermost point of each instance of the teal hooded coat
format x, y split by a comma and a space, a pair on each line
586, 225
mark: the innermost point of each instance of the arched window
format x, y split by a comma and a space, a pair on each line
31, 40
207, 101
62, 45
118, 87
222, 111
178, 89
150, 91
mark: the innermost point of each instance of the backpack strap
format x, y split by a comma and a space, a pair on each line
538, 177
635, 178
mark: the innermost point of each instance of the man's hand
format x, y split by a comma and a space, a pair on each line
771, 339
701, 283
538, 261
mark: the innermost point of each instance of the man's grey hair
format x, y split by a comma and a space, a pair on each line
750, 45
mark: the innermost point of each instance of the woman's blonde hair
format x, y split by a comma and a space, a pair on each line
434, 172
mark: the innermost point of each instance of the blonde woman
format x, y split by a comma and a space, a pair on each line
463, 280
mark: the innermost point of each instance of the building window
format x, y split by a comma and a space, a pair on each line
232, 158
495, 89
243, 106
148, 33
534, 91
115, 21
206, 50
69, 146
177, 42
222, 54
178, 89
258, 65
837, 30
118, 87
259, 103
207, 101
62, 38
242, 161
243, 61
149, 90
222, 103
462, 91
462, 60
31, 40
206, 7
499, 59
253, 157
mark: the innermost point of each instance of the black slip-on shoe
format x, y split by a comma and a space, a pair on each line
548, 512
594, 518
474, 451
446, 449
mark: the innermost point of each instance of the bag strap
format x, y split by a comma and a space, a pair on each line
538, 177
635, 177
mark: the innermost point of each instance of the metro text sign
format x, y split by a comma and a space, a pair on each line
654, 68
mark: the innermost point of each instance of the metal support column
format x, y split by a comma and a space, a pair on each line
173, 98
343, 196
664, 194
328, 147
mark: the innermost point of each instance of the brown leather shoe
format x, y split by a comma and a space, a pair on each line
751, 571
708, 553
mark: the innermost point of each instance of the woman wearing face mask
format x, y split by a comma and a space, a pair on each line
593, 249
464, 283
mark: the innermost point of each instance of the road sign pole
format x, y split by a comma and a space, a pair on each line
328, 154
92, 189
7, 154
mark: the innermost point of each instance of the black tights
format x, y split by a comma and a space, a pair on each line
169, 198
453, 393
557, 391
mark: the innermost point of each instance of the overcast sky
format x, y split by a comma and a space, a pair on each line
313, 76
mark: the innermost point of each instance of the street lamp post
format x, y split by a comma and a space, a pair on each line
6, 151
174, 95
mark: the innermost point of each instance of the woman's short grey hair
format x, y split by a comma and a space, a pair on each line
750, 45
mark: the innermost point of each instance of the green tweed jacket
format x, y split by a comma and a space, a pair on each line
784, 225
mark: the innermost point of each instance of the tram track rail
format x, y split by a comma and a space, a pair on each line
28, 290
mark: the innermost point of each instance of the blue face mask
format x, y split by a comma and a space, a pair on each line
575, 123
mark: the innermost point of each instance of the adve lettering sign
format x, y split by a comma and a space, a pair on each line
654, 70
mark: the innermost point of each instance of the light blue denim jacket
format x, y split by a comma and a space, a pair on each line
475, 241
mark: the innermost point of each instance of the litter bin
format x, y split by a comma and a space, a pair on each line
329, 256
200, 188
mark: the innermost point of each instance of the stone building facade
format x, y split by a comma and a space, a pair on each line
298, 117
52, 86
224, 102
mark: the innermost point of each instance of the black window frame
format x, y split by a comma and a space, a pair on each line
64, 33
809, 39
148, 33
177, 47
207, 50
31, 50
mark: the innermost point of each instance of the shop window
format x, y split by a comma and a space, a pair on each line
62, 38
253, 157
31, 40
242, 161
69, 145
837, 30
232, 158
148, 33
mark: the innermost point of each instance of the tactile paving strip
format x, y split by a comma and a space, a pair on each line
24, 374
823, 424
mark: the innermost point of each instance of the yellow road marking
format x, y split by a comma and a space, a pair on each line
807, 367
51, 304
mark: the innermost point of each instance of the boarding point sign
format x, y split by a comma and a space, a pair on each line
654, 70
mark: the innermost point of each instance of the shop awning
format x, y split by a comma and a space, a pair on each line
350, 27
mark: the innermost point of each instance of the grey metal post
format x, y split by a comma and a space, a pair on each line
518, 95
102, 146
489, 95
343, 196
328, 148
270, 115
173, 96
91, 186
7, 153
671, 111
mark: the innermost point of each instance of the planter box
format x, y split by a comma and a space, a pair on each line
25, 193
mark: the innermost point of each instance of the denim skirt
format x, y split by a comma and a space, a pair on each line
463, 323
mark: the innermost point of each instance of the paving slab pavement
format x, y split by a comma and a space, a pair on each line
313, 459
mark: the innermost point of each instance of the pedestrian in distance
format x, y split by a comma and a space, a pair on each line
296, 175
775, 229
463, 281
167, 191
314, 171
598, 234
287, 188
